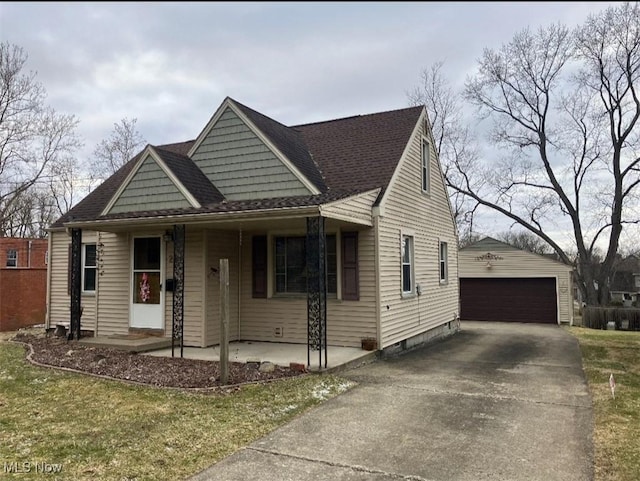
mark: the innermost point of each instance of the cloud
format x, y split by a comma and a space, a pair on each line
170, 64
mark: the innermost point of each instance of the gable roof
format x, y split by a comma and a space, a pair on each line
341, 157
289, 142
190, 176
94, 203
489, 243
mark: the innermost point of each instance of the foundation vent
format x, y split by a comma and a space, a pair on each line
277, 332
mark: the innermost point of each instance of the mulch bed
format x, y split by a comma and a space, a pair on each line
151, 370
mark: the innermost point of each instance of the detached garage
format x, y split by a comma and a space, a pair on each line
501, 283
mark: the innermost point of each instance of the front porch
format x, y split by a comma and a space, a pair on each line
303, 281
279, 353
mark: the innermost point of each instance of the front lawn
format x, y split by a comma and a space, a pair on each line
617, 421
89, 428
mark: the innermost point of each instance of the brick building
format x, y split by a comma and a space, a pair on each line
23, 282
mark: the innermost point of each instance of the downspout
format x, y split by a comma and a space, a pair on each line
457, 314
376, 237
47, 319
29, 244
98, 274
239, 279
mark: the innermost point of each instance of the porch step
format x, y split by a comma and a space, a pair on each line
133, 343
146, 332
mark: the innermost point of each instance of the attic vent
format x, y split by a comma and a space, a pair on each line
277, 332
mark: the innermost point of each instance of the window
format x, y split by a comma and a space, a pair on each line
89, 268
426, 154
290, 265
12, 258
443, 262
407, 264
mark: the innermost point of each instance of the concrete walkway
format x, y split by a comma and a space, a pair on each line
495, 402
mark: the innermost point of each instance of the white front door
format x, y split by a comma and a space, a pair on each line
147, 299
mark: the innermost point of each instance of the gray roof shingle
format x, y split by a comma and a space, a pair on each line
191, 176
340, 157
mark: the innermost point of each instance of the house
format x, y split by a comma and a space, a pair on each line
23, 281
499, 282
625, 281
361, 198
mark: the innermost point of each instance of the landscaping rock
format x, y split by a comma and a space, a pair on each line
267, 366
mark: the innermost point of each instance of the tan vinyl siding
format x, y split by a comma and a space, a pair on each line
221, 245
354, 209
60, 298
347, 321
149, 189
58, 259
427, 217
114, 278
194, 291
241, 166
518, 264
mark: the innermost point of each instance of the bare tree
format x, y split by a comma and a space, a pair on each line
565, 108
526, 241
111, 153
453, 141
34, 138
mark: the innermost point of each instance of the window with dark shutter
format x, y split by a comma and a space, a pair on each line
259, 262
350, 281
69, 270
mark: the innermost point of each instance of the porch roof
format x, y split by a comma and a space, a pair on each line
242, 210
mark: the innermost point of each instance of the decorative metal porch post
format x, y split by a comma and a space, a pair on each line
316, 289
76, 284
177, 333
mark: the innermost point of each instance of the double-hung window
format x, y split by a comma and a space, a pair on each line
291, 265
12, 258
89, 268
407, 264
288, 263
443, 263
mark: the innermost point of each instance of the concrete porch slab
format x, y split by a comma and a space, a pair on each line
133, 343
279, 353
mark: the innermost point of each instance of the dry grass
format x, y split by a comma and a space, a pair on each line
617, 421
97, 429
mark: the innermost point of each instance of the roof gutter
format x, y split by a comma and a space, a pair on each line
201, 218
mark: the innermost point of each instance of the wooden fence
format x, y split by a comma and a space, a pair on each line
624, 318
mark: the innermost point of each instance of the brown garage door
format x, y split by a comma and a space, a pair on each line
519, 300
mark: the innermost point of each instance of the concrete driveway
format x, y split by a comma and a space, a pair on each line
498, 401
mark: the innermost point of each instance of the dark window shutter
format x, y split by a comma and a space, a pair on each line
69, 270
259, 266
350, 281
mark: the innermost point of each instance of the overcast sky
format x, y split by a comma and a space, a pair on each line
170, 65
